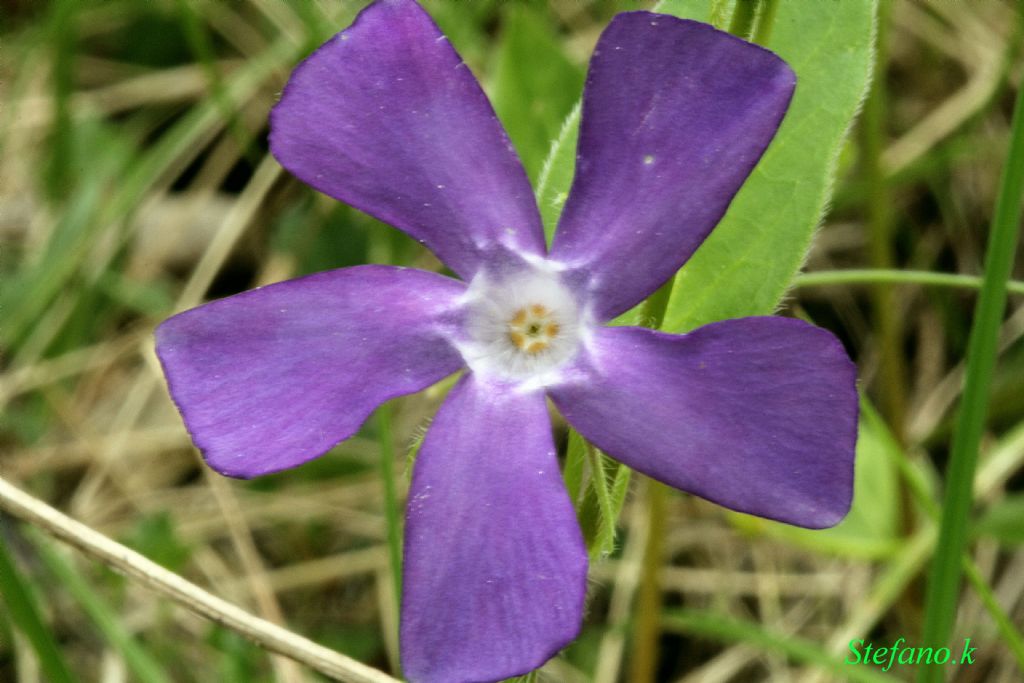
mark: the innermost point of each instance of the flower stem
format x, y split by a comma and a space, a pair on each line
743, 18
891, 372
387, 476
765, 21
647, 610
869, 276
647, 622
647, 614
944, 577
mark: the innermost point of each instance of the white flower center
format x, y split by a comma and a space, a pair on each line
522, 327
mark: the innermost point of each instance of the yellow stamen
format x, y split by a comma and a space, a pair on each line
536, 347
533, 328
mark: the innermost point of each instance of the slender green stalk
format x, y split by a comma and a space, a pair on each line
743, 15
391, 518
202, 48
891, 386
63, 40
647, 627
646, 624
944, 578
765, 21
23, 611
870, 276
1007, 631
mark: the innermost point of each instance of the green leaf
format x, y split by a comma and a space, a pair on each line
534, 84
1004, 521
20, 603
597, 485
750, 258
574, 469
556, 175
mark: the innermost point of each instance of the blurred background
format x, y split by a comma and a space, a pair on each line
135, 182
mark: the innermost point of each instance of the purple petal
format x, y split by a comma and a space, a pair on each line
276, 376
388, 118
495, 567
675, 116
756, 414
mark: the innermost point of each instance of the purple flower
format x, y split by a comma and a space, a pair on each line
757, 414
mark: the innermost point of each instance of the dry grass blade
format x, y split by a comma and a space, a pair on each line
188, 595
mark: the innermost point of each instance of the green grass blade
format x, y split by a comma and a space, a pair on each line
387, 474
142, 665
944, 578
765, 21
922, 494
391, 506
35, 289
202, 48
62, 40
24, 612
721, 628
1009, 633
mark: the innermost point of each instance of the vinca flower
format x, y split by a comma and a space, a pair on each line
756, 414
